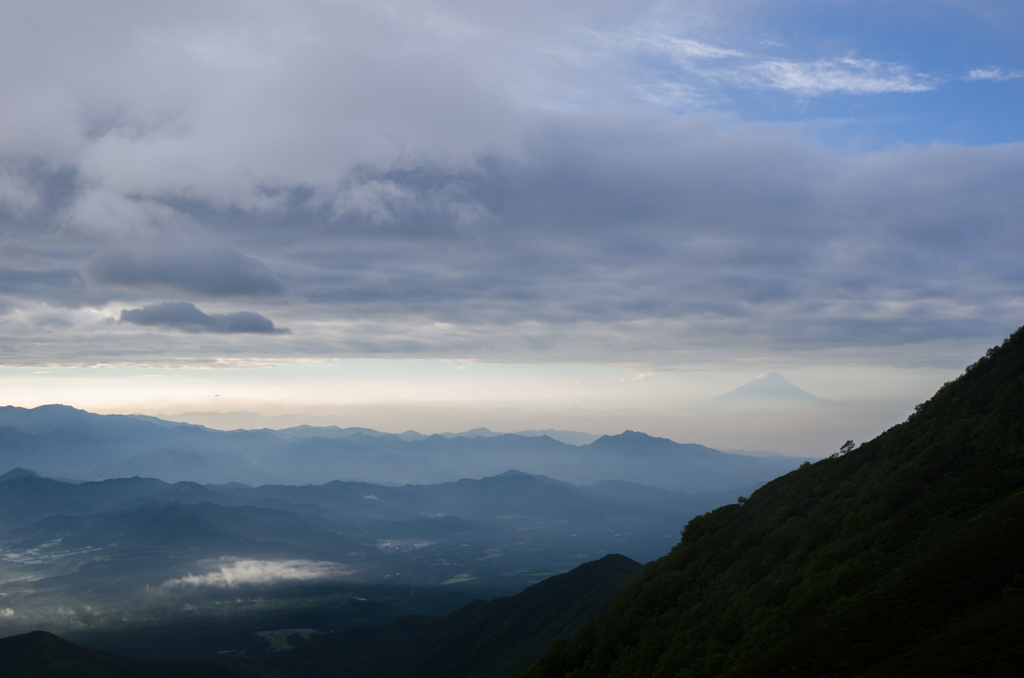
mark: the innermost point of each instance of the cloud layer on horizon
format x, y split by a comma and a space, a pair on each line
577, 190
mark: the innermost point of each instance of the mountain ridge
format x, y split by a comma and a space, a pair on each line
59, 440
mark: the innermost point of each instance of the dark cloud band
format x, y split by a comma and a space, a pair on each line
181, 315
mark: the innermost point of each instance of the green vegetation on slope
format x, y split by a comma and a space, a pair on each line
902, 557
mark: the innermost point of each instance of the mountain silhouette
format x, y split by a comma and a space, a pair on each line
767, 388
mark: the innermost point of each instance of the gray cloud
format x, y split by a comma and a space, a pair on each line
523, 203
181, 315
219, 272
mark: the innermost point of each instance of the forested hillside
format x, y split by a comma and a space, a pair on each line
901, 557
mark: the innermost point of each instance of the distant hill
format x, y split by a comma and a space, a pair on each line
43, 655
306, 431
901, 558
567, 437
769, 388
641, 443
18, 473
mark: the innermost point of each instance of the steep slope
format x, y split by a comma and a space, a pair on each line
902, 557
510, 633
44, 655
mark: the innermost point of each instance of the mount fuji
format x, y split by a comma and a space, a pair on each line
769, 388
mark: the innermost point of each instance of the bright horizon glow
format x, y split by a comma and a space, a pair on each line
445, 396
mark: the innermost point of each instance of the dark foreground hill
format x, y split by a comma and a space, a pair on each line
903, 557
44, 655
501, 635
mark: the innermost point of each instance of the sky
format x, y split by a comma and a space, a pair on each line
431, 213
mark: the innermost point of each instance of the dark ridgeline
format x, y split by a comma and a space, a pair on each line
903, 557
44, 655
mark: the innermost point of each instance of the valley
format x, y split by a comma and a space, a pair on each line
163, 569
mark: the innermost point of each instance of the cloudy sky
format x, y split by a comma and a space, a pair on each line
313, 204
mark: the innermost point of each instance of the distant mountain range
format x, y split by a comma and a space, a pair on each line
228, 421
65, 442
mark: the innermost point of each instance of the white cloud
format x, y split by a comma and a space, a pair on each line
699, 63
994, 74
682, 48
846, 75
7, 613
234, 572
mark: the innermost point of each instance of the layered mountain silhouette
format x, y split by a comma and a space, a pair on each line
60, 441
